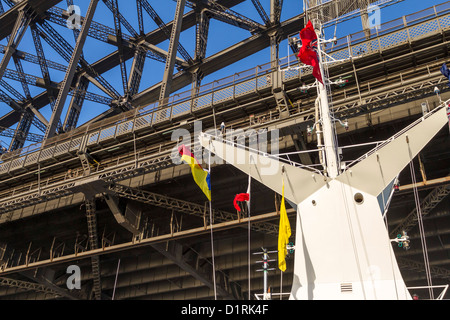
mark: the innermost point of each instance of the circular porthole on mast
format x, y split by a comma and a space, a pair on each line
359, 199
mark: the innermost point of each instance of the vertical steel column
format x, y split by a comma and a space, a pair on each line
52, 40
261, 12
365, 18
119, 39
76, 103
140, 17
201, 34
280, 95
137, 67
274, 37
172, 51
26, 119
201, 40
41, 56
21, 25
65, 86
22, 130
162, 26
93, 242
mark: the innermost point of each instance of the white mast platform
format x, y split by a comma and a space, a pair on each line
342, 246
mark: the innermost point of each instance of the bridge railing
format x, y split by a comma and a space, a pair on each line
150, 154
406, 29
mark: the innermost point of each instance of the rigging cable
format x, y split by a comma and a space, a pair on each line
421, 229
248, 230
212, 237
391, 252
115, 281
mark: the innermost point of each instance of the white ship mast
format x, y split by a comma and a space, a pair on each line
342, 247
331, 160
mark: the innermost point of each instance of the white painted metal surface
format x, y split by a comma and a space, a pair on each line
343, 250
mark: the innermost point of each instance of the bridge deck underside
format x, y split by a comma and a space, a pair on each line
383, 95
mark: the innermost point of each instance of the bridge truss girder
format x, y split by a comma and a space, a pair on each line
42, 100
351, 106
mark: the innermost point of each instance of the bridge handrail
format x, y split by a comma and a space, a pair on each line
241, 83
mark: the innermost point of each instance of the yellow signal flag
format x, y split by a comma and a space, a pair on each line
284, 234
201, 176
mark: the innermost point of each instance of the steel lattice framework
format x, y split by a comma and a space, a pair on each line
122, 160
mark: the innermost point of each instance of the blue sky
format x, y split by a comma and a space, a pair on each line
221, 36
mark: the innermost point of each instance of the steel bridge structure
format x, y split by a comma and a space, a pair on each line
110, 195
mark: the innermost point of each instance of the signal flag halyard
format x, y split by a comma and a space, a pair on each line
284, 233
201, 176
